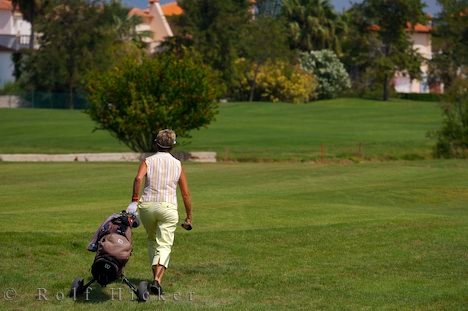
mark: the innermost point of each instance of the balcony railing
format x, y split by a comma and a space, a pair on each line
14, 42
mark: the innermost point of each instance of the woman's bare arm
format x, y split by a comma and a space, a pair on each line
184, 189
137, 182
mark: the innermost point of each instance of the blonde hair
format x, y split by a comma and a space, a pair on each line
166, 139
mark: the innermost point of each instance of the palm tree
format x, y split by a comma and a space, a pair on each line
30, 10
313, 25
125, 28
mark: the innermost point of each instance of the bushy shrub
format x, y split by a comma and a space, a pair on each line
136, 99
275, 81
452, 138
330, 72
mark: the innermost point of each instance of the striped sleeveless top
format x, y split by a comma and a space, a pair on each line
162, 175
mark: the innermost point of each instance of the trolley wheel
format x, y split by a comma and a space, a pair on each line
142, 291
77, 287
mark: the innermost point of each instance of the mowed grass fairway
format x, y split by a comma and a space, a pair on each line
347, 128
52, 131
266, 236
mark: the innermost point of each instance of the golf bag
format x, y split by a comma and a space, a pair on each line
113, 248
112, 243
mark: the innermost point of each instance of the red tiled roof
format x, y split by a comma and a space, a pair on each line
5, 5
171, 9
139, 12
417, 28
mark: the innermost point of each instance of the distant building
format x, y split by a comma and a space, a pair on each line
420, 35
15, 33
154, 20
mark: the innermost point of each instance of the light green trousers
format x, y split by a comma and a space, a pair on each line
160, 222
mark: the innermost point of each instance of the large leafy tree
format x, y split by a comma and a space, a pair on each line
31, 9
359, 46
66, 53
450, 42
385, 25
136, 98
214, 26
313, 25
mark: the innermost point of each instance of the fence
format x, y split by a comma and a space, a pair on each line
51, 100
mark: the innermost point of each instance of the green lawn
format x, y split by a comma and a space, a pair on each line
347, 128
368, 236
52, 131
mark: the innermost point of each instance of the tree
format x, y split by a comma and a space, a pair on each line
30, 10
66, 54
135, 99
452, 138
358, 43
386, 24
313, 25
214, 26
450, 42
263, 40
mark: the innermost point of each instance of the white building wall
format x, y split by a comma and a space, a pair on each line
12, 28
13, 24
6, 23
22, 27
421, 43
159, 25
6, 68
402, 83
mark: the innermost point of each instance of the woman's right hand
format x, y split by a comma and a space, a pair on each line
187, 225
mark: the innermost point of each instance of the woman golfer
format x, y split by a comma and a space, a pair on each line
158, 203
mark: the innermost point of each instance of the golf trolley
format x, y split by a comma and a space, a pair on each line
113, 246
78, 288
